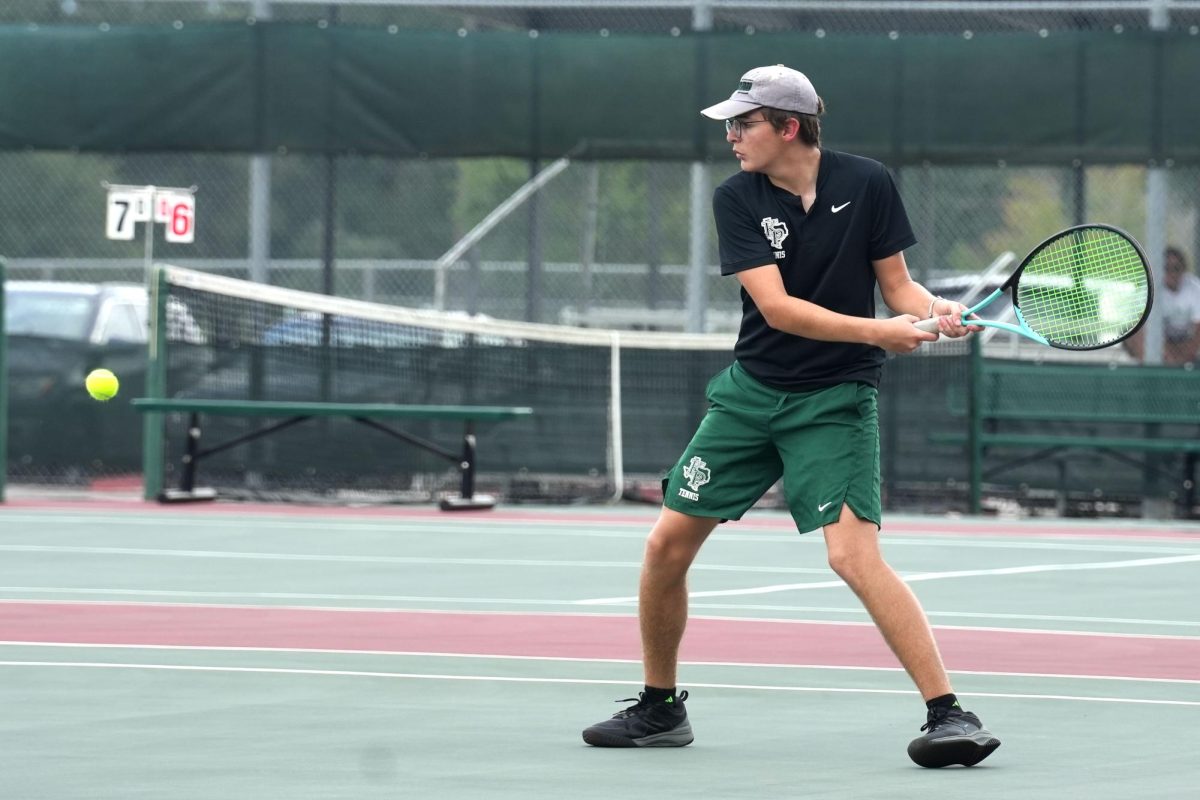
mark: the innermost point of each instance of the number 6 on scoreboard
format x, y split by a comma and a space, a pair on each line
177, 212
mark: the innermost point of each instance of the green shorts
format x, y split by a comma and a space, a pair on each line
823, 443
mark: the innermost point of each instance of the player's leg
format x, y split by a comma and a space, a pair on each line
829, 441
659, 717
662, 594
952, 735
853, 549
728, 465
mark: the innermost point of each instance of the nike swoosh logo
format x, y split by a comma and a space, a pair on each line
824, 506
836, 209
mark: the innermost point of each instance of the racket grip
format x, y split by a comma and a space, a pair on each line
927, 325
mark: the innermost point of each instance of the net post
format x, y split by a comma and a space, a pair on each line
616, 447
156, 387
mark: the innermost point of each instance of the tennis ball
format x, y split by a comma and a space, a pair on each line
102, 384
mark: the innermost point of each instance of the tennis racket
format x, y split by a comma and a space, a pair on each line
1084, 288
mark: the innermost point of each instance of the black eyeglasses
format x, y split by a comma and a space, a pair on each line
738, 126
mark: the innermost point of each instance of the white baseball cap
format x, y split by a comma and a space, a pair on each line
773, 87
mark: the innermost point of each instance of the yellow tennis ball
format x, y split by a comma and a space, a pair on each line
102, 384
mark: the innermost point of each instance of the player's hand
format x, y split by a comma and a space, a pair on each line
949, 317
899, 335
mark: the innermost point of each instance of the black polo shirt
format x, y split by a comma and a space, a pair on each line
824, 256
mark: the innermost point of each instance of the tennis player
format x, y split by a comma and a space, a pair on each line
809, 232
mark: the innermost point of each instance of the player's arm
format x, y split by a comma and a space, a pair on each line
792, 315
905, 296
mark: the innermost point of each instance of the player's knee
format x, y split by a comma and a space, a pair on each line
673, 547
854, 565
667, 552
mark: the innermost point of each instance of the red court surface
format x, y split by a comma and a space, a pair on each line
587, 637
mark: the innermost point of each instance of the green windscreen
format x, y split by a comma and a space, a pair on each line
1088, 288
280, 86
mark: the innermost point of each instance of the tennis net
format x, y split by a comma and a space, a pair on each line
611, 409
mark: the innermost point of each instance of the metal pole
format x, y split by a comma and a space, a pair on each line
260, 218
260, 190
149, 239
533, 278
654, 234
616, 441
697, 279
590, 224
329, 249
1154, 504
697, 283
1156, 194
533, 285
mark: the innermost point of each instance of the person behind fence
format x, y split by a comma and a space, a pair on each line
1178, 306
809, 232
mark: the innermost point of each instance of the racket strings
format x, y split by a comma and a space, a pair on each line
1088, 289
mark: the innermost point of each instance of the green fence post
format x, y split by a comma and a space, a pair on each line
975, 424
156, 387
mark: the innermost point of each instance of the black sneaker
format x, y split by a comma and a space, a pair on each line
953, 736
661, 724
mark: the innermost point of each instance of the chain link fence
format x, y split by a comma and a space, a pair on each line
598, 244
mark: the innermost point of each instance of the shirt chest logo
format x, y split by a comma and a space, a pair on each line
775, 230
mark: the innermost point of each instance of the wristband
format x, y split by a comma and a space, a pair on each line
929, 314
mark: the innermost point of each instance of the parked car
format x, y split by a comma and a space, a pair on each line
57, 333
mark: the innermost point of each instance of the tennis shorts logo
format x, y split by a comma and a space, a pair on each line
697, 474
775, 231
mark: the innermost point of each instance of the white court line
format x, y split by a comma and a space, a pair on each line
577, 660
572, 681
335, 524
971, 540
253, 555
925, 576
154, 593
860, 611
237, 555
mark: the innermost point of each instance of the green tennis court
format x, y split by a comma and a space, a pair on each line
253, 651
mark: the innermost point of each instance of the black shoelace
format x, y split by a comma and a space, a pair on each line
640, 704
937, 716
